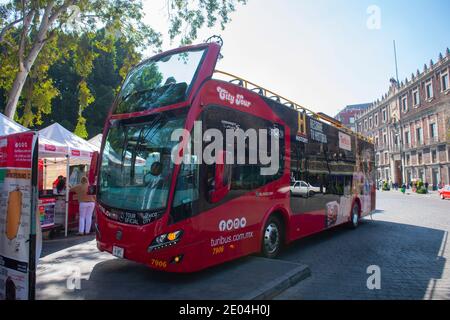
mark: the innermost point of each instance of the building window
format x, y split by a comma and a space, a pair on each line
385, 158
444, 82
433, 131
429, 89
416, 97
433, 156
370, 123
408, 159
421, 175
405, 103
384, 115
407, 138
419, 135
352, 120
377, 159
419, 158
376, 120
385, 139
365, 125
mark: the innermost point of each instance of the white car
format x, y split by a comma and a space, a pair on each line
304, 189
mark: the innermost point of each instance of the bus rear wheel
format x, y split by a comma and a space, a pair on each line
354, 217
273, 236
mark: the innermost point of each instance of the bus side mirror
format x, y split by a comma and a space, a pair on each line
93, 168
222, 178
92, 178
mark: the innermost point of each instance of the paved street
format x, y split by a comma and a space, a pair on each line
407, 239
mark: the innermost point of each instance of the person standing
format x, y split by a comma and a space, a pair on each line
87, 205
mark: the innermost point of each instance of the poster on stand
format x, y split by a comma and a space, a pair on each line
18, 196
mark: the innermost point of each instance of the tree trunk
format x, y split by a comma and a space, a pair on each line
25, 63
14, 93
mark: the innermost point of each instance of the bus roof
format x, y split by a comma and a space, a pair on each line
288, 103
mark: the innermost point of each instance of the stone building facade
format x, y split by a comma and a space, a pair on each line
410, 126
347, 116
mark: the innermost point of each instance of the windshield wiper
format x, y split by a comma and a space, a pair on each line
139, 92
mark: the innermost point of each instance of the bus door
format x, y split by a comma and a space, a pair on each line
234, 196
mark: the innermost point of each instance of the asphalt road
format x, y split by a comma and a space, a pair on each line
407, 240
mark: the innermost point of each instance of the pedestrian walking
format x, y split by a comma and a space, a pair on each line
87, 205
403, 188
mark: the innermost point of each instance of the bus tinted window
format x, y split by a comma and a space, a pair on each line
136, 166
195, 181
158, 83
246, 176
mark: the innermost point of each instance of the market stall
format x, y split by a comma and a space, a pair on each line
61, 153
48, 201
73, 164
47, 148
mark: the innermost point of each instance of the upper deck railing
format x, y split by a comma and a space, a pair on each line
288, 103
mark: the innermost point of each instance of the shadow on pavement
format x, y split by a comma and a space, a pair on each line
55, 245
102, 276
410, 258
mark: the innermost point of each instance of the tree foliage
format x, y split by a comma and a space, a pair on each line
94, 42
187, 17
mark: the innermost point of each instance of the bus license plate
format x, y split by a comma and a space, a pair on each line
117, 251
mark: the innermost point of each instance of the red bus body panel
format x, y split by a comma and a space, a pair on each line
201, 235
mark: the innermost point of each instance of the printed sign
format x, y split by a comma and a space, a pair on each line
345, 141
238, 99
16, 214
317, 131
46, 210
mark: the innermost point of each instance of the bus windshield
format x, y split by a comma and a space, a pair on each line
159, 83
136, 166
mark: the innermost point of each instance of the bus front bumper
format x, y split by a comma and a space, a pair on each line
133, 243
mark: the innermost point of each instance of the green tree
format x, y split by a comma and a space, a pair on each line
29, 26
188, 16
102, 82
37, 35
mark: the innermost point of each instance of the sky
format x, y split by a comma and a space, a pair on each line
325, 54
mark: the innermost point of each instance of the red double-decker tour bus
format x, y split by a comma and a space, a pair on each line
187, 216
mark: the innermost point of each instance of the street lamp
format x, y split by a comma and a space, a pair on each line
399, 135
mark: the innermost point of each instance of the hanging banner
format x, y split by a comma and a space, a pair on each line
18, 178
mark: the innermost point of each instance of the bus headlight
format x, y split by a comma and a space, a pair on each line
165, 240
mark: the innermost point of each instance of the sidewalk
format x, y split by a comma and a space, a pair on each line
54, 245
410, 192
106, 277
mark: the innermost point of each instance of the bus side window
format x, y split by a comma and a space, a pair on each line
186, 192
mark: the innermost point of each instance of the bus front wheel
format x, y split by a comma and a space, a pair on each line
272, 237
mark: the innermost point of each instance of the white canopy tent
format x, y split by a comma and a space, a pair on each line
97, 140
47, 147
77, 149
8, 126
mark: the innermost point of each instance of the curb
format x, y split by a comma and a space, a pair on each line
280, 284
